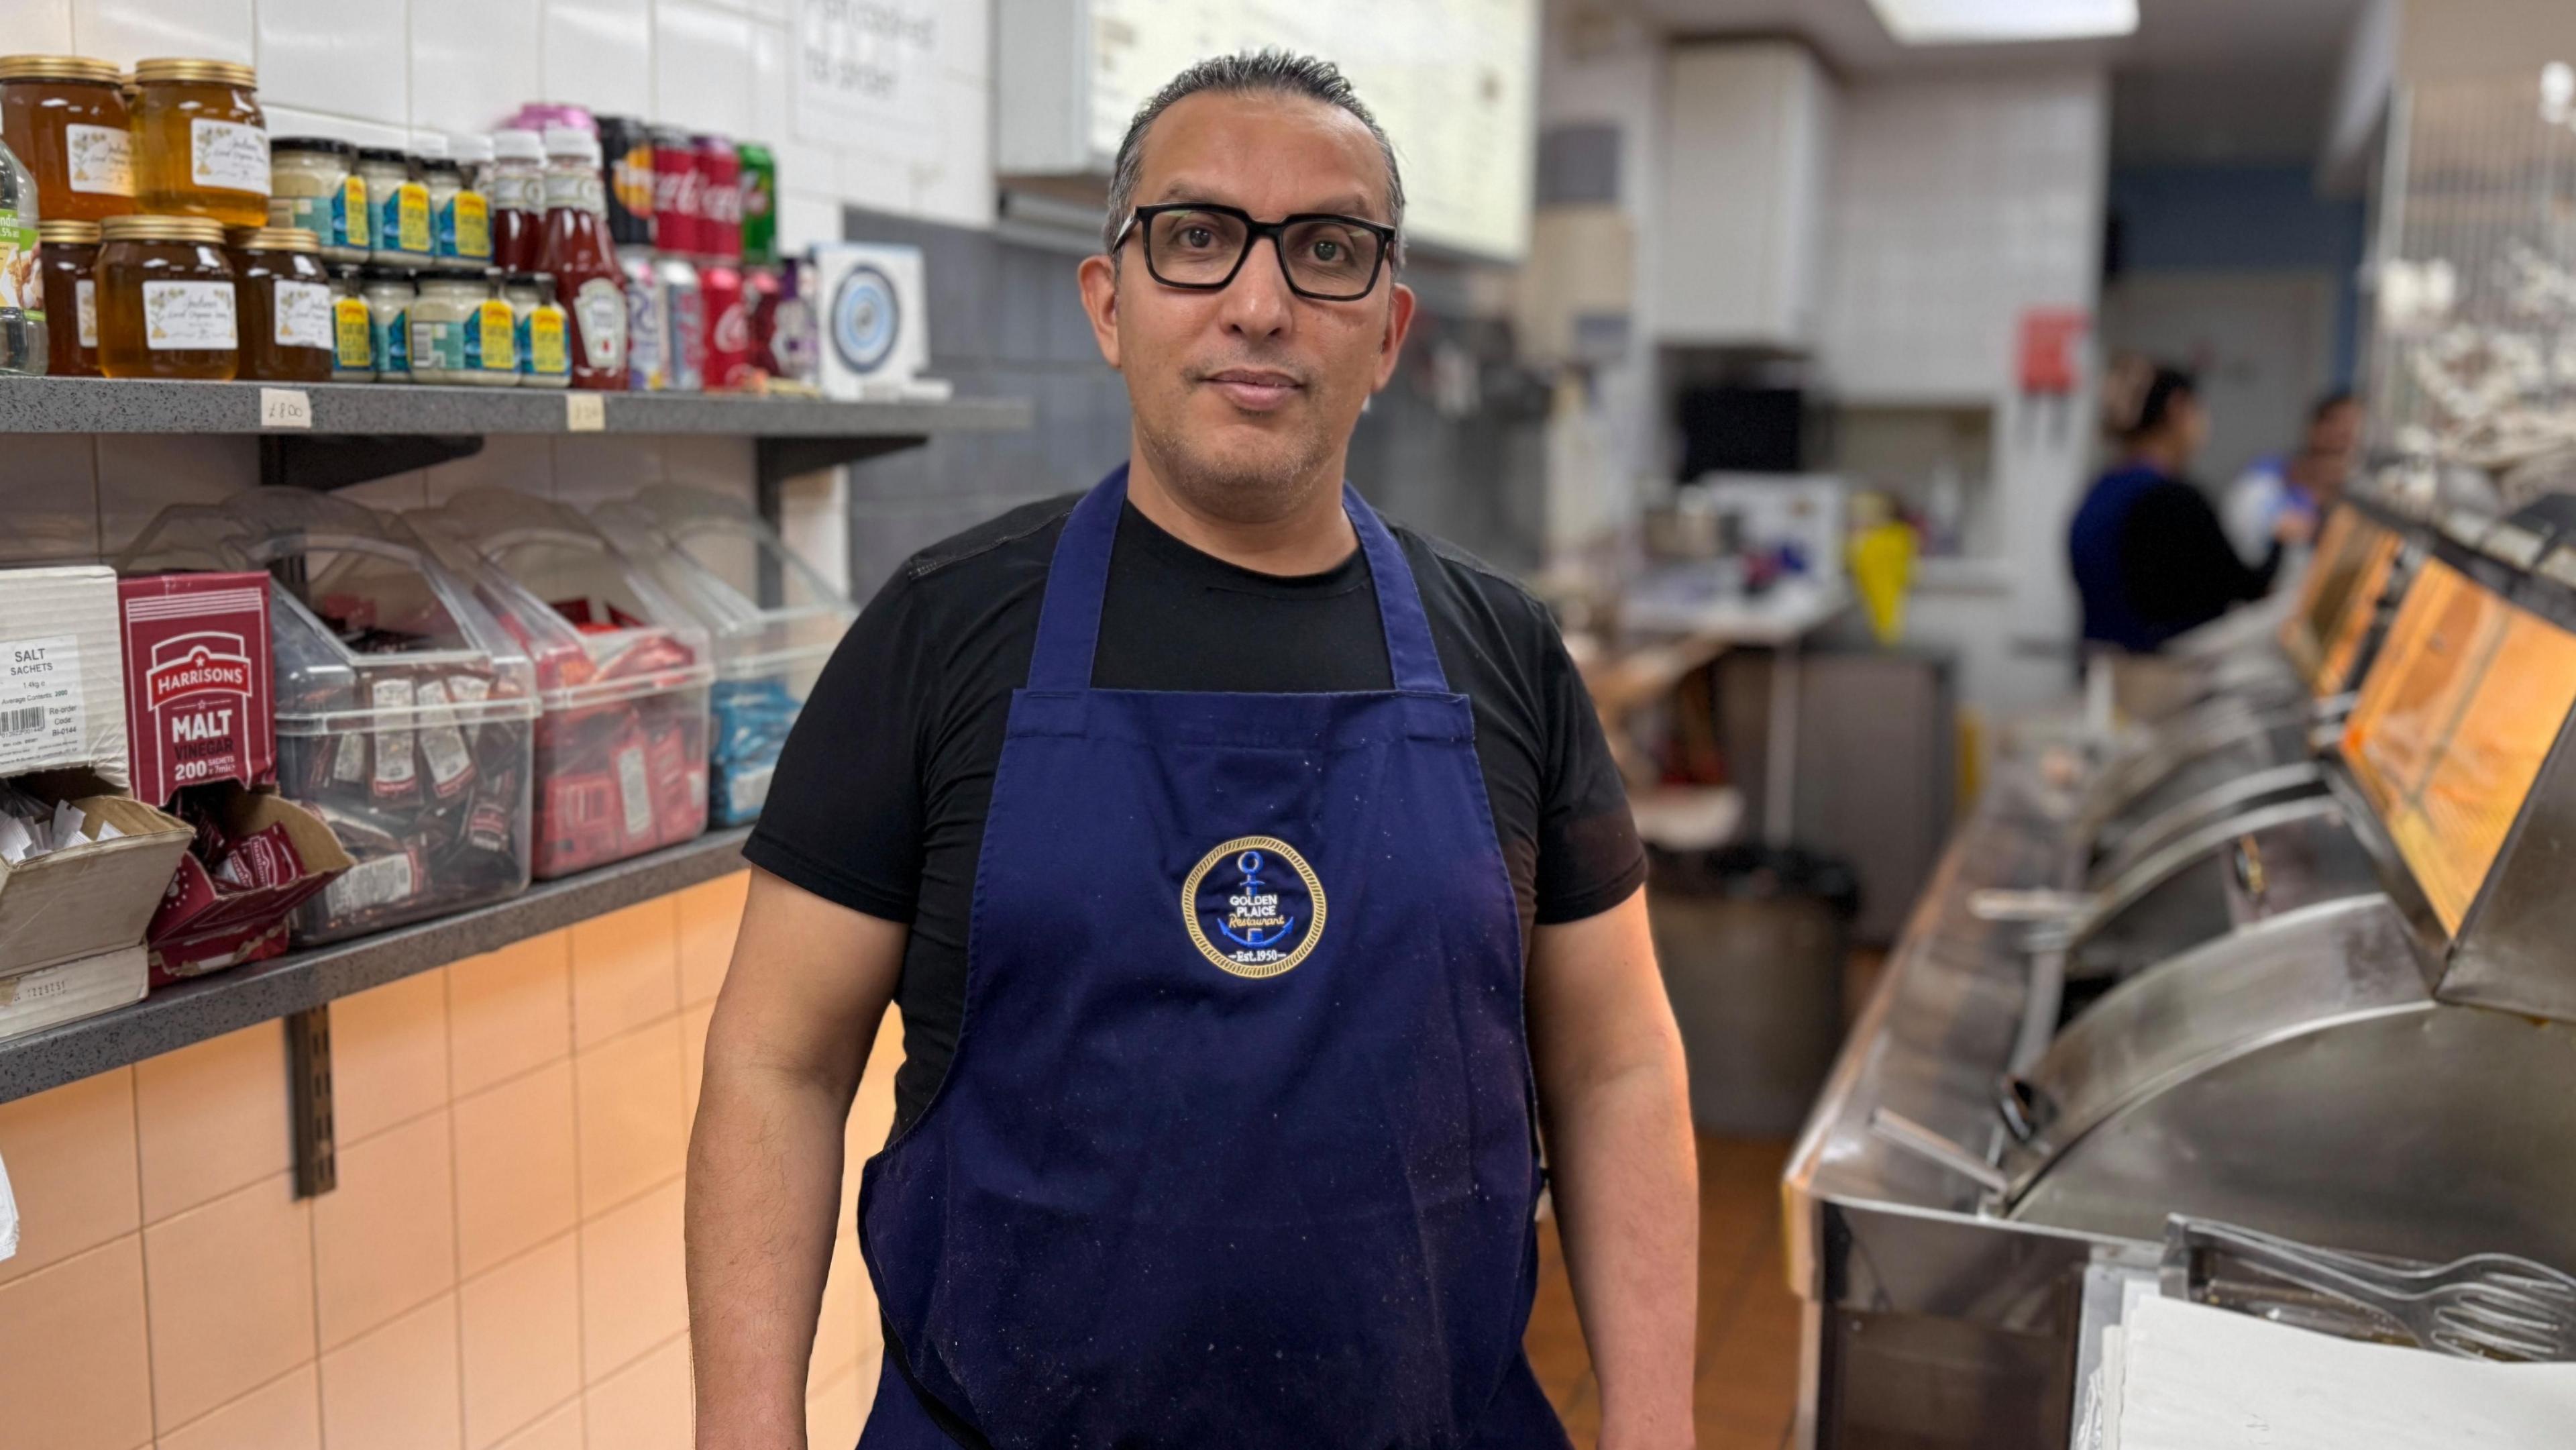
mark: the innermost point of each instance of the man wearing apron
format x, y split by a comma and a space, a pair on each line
1232, 857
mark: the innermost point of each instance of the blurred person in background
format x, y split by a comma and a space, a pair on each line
2149, 556
2300, 486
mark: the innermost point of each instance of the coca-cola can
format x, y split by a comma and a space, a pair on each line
719, 200
679, 194
760, 291
729, 364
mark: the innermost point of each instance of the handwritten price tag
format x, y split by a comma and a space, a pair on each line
585, 412
285, 408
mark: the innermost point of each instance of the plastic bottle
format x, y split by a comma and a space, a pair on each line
517, 188
576, 251
24, 346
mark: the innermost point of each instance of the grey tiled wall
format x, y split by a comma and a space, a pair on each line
1005, 321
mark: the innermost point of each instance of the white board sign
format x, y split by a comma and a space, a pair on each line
866, 68
1453, 82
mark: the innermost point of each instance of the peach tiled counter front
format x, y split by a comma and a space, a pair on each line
500, 1267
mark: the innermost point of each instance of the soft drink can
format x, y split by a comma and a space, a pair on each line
759, 203
679, 194
719, 201
647, 310
684, 323
626, 155
728, 365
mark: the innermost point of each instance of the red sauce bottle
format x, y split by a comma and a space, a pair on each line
576, 250
516, 186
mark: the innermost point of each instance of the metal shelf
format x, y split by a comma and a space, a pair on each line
301, 981
361, 431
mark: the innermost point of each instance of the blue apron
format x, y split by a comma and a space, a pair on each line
1236, 1147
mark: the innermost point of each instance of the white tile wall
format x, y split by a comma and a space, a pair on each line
702, 67
126, 31
37, 25
1955, 205
340, 57
472, 61
599, 53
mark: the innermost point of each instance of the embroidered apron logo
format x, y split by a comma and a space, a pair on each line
1253, 906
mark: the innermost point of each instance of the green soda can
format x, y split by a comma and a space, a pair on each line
759, 203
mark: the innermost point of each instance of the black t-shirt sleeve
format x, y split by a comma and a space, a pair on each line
1589, 857
844, 814
2178, 562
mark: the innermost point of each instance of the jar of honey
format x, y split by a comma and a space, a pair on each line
68, 259
284, 293
165, 299
201, 144
63, 116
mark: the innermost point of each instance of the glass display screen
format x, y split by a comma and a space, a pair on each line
2452, 726
2337, 599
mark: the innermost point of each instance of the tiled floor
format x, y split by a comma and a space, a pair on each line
1748, 1321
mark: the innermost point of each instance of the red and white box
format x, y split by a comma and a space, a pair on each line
198, 702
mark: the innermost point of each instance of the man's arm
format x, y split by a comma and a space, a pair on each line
785, 1050
1614, 1100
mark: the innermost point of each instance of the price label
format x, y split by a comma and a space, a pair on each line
585, 412
285, 408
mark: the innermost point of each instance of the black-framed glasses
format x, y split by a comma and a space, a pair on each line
1201, 246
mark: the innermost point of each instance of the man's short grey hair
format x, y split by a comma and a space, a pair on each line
1276, 72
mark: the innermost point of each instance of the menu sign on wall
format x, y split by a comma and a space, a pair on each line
2452, 726
866, 68
1453, 82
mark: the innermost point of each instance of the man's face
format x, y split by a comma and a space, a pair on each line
1246, 396
2337, 431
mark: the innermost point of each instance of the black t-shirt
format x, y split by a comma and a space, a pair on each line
880, 795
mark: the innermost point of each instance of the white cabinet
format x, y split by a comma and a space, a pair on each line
1748, 133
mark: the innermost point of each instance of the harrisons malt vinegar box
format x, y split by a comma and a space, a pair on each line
198, 707
201, 715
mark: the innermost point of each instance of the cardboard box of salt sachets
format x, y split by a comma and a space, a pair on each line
86, 895
62, 683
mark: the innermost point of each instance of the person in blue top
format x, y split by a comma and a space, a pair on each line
2305, 483
2149, 557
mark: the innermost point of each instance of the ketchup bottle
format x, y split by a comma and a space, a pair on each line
576, 250
516, 186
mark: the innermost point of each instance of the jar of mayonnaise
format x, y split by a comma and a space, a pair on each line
461, 333
545, 344
398, 230
390, 295
460, 216
311, 188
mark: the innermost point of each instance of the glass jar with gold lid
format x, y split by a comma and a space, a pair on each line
200, 141
166, 301
284, 297
63, 116
68, 263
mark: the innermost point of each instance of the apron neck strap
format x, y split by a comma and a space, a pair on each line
1078, 582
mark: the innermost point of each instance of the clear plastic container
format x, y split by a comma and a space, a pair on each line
622, 674
406, 715
773, 619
